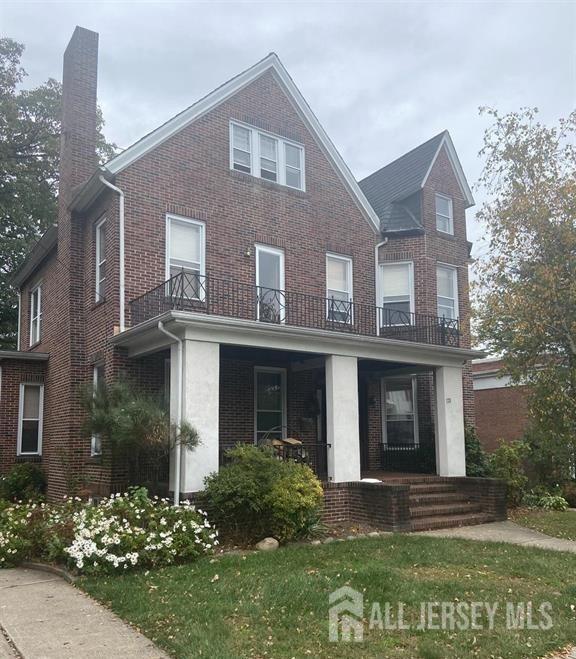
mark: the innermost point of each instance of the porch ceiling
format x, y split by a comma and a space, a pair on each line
146, 338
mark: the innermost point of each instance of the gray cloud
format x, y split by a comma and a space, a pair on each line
382, 77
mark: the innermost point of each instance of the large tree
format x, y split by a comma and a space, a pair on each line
526, 301
29, 159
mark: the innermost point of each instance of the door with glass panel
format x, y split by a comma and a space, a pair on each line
270, 296
269, 404
185, 267
396, 294
400, 427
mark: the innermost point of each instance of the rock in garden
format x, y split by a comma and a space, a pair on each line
268, 544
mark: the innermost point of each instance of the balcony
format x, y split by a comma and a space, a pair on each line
188, 291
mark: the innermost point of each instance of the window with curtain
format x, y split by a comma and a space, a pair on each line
185, 255
339, 288
30, 421
396, 285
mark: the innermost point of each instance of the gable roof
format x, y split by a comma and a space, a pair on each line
270, 63
403, 177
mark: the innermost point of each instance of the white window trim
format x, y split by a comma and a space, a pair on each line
93, 452
99, 261
454, 269
21, 418
283, 374
280, 155
279, 252
198, 223
450, 217
350, 292
384, 419
380, 288
36, 339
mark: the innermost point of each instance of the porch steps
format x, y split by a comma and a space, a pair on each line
437, 504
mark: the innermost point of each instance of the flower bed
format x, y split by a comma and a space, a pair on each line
122, 532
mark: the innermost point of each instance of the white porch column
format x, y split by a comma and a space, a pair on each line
200, 408
450, 452
342, 424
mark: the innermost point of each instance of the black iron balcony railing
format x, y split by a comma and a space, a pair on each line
188, 291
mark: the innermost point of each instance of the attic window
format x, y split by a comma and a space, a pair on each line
444, 217
266, 156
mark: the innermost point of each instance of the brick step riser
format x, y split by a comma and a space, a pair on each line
439, 499
444, 511
429, 524
434, 488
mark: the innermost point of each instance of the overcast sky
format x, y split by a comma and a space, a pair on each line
382, 77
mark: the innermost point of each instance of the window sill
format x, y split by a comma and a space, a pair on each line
35, 345
271, 185
29, 457
94, 460
98, 304
447, 236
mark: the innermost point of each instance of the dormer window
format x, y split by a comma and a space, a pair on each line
266, 156
444, 217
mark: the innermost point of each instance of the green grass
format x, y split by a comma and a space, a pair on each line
276, 604
551, 522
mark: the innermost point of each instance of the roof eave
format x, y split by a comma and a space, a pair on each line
35, 257
22, 355
456, 165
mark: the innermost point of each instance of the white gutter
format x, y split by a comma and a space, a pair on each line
19, 321
377, 280
178, 446
121, 237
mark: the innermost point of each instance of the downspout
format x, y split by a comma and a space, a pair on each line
178, 446
121, 238
377, 281
19, 321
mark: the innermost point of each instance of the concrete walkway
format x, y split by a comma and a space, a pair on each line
46, 618
506, 532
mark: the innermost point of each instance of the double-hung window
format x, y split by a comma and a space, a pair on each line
444, 215
400, 419
447, 290
397, 293
30, 419
269, 404
100, 260
97, 383
338, 288
185, 257
266, 156
35, 315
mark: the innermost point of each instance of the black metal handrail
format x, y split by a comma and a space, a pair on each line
189, 291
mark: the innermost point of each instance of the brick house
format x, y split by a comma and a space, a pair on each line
501, 408
230, 259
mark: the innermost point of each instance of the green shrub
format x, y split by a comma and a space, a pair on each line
569, 493
476, 458
506, 463
540, 498
257, 495
24, 482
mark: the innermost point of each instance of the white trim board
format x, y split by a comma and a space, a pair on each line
223, 93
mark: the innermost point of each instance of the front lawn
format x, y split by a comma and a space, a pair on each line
552, 522
276, 604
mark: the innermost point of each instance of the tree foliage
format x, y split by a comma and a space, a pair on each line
526, 292
29, 160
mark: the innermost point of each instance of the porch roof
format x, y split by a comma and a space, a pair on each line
146, 338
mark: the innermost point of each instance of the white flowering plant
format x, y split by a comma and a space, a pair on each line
124, 531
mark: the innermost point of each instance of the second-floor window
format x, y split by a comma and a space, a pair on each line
397, 291
444, 215
339, 288
100, 260
266, 156
185, 256
35, 315
447, 290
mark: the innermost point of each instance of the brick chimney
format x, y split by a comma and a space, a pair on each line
79, 87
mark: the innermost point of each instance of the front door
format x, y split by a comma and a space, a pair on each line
270, 298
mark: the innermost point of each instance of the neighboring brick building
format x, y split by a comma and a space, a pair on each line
501, 409
230, 259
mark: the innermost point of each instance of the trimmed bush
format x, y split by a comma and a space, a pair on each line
507, 463
257, 495
122, 532
24, 482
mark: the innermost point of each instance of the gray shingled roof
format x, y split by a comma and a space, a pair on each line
397, 181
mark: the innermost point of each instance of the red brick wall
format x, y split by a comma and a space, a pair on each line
501, 414
12, 374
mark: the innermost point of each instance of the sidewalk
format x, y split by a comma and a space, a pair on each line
46, 618
506, 532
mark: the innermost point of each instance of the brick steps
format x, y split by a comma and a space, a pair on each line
465, 508
449, 521
438, 499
